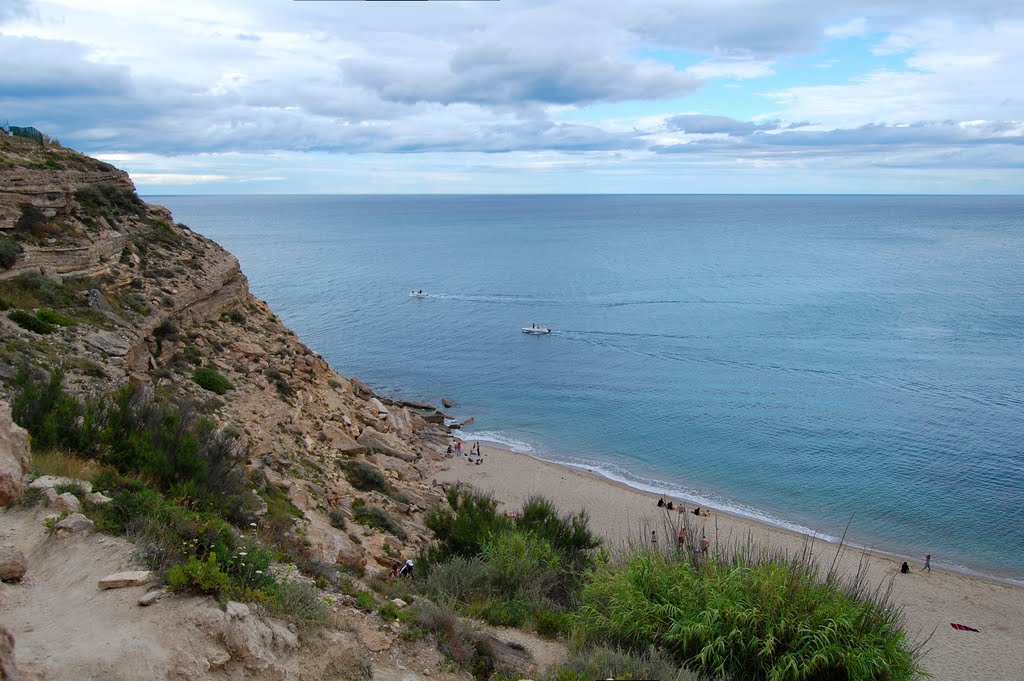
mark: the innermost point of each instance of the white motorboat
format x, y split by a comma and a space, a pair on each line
536, 329
419, 294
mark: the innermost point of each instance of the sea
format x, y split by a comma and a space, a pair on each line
839, 365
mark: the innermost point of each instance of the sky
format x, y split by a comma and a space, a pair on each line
527, 96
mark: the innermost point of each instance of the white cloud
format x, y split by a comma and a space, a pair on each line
853, 28
732, 68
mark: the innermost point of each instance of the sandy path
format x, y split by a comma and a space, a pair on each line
931, 601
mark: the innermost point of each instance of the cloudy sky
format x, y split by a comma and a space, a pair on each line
525, 96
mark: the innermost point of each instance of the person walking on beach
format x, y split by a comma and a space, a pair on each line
654, 540
704, 544
681, 536
927, 563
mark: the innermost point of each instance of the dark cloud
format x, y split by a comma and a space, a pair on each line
30, 67
875, 144
14, 9
697, 124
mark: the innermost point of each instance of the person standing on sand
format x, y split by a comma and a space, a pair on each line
704, 544
654, 540
927, 563
681, 536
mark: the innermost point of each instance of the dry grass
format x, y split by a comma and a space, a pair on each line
58, 462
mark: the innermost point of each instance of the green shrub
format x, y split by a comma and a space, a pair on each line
602, 662
30, 220
388, 611
458, 581
372, 516
30, 322
753, 615
462, 529
284, 389
167, 330
55, 318
193, 355
211, 380
337, 518
10, 249
204, 576
297, 602
365, 477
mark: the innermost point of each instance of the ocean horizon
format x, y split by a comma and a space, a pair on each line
811, 361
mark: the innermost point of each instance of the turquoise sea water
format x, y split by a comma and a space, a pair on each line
809, 360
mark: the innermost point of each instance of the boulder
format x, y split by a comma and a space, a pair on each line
97, 499
66, 502
14, 456
398, 603
248, 349
12, 564
373, 439
108, 342
74, 523
447, 403
51, 481
340, 440
8, 670
119, 580
151, 598
378, 406
360, 389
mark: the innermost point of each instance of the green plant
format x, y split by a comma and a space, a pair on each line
372, 516
364, 600
30, 220
284, 389
210, 380
30, 322
603, 662
365, 477
388, 611
10, 249
337, 518
193, 355
753, 615
55, 318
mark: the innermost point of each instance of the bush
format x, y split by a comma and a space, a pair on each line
462, 529
749, 616
284, 389
55, 318
337, 518
30, 220
366, 478
10, 249
372, 516
211, 380
602, 662
167, 330
30, 322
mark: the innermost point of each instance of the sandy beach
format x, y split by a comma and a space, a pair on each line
931, 600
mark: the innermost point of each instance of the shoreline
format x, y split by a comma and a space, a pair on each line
622, 514
753, 516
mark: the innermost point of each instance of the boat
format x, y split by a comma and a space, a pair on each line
419, 294
536, 329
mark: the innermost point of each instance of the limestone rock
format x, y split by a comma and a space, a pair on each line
119, 580
371, 438
341, 441
74, 523
150, 598
8, 670
398, 603
360, 389
447, 403
97, 499
14, 456
12, 564
67, 502
51, 481
236, 610
108, 342
378, 406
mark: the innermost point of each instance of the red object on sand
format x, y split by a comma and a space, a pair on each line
962, 627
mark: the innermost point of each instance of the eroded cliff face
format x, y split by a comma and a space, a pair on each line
152, 301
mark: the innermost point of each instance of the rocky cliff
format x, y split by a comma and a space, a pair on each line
145, 301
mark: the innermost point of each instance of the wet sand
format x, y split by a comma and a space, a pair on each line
930, 601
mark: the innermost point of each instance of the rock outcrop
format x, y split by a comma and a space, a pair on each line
14, 456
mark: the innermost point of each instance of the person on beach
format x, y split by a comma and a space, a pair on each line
927, 563
704, 544
904, 569
696, 511
668, 506
681, 536
449, 451
661, 502
654, 540
458, 448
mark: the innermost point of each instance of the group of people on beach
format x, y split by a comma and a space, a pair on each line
671, 506
455, 449
905, 568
